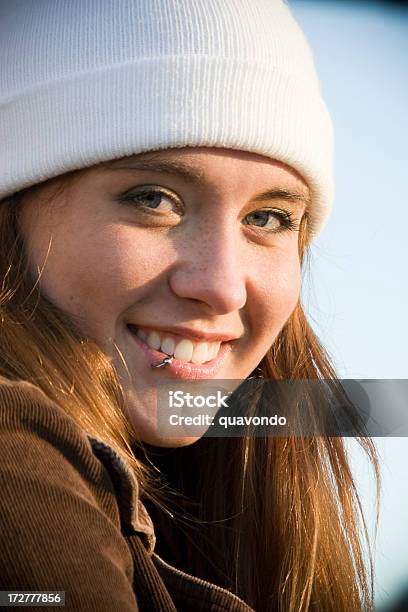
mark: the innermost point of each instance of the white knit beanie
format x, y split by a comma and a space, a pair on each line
85, 81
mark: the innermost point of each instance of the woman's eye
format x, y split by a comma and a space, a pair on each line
153, 199
271, 219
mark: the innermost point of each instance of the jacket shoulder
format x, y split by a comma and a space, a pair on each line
33, 426
25, 408
60, 519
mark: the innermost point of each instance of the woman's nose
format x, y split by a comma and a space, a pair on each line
211, 271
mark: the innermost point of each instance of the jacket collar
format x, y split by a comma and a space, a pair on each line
133, 515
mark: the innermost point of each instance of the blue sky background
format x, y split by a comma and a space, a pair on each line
356, 294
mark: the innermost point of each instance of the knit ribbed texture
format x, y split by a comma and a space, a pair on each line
84, 81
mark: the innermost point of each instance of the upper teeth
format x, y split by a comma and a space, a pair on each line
184, 349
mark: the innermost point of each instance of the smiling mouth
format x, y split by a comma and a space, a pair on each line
173, 345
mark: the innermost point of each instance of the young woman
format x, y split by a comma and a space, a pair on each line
164, 166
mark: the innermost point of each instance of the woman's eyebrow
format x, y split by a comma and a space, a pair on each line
289, 195
168, 166
194, 175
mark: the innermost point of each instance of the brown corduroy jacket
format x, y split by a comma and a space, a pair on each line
71, 519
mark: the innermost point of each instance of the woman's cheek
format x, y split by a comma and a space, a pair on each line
280, 285
140, 257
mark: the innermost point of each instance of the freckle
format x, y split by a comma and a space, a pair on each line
71, 297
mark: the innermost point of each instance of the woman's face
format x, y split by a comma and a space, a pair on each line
188, 252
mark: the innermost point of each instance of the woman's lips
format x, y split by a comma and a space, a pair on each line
182, 369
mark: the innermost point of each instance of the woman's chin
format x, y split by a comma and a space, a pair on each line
152, 424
